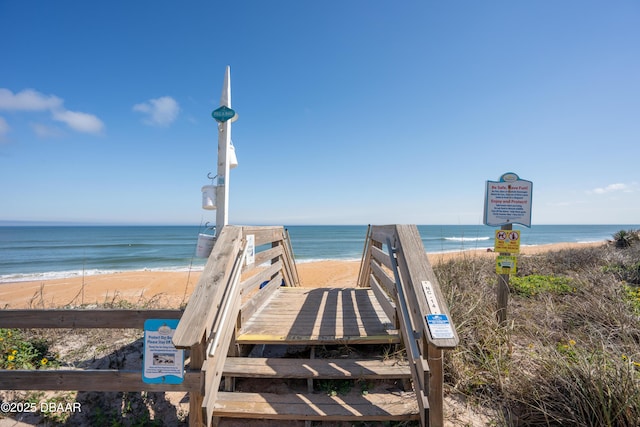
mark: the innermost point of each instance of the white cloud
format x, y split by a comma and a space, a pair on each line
33, 101
611, 188
81, 122
160, 111
27, 100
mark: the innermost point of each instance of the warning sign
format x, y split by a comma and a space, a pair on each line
507, 241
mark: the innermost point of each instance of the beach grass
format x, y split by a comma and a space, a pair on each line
569, 353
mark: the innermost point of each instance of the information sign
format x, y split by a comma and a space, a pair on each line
507, 241
251, 249
508, 201
162, 362
439, 326
223, 114
506, 264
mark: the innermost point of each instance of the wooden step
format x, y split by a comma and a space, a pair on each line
319, 316
317, 407
260, 367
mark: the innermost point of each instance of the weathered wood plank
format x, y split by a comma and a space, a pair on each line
381, 256
265, 256
206, 298
289, 262
330, 315
414, 268
380, 233
254, 303
387, 283
264, 235
319, 407
90, 380
85, 318
385, 300
214, 364
253, 282
365, 269
258, 367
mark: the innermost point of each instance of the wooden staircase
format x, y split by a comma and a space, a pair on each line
250, 296
371, 389
382, 403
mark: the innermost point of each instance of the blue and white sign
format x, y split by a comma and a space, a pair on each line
223, 114
508, 201
439, 326
162, 362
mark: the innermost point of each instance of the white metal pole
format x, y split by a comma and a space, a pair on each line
224, 140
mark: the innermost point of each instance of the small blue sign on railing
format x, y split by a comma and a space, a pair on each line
223, 114
162, 362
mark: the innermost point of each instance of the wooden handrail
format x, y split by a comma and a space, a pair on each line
211, 317
205, 300
212, 314
82, 318
415, 290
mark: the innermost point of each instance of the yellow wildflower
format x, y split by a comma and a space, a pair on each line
10, 357
572, 342
44, 361
14, 351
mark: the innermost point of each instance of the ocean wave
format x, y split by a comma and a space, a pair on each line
308, 260
53, 275
467, 239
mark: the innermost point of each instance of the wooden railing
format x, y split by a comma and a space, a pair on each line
87, 379
230, 291
396, 267
219, 303
224, 297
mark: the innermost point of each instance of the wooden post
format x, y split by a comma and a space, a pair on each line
436, 386
197, 357
503, 289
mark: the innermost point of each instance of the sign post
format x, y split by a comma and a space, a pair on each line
507, 202
224, 116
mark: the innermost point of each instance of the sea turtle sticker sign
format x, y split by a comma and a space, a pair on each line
508, 201
162, 362
506, 264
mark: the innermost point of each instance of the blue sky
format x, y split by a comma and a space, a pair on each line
350, 112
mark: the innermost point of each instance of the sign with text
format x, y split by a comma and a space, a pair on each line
507, 241
162, 362
508, 201
223, 114
506, 264
439, 326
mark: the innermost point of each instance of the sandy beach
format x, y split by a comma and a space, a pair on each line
171, 289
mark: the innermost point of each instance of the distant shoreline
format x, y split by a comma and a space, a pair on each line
172, 288
79, 274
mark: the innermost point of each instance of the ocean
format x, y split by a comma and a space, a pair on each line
48, 252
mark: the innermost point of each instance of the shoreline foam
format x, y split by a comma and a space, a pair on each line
172, 288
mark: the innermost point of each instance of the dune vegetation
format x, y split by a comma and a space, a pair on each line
569, 353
